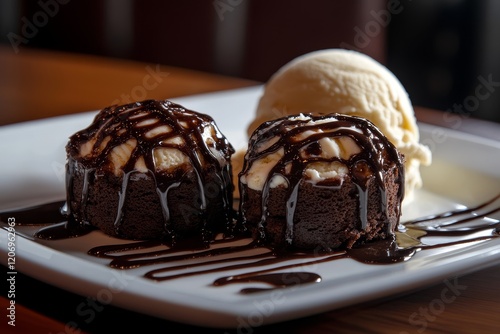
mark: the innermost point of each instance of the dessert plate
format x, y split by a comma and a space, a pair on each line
464, 174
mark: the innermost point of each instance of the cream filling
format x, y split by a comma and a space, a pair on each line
164, 158
339, 147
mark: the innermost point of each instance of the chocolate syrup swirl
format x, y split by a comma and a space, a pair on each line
262, 264
377, 154
151, 124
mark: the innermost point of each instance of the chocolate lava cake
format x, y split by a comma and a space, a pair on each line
150, 170
320, 183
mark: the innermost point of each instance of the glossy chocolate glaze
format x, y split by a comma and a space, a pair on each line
376, 155
264, 265
276, 280
116, 125
50, 214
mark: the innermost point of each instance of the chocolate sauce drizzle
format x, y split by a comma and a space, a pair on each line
116, 125
264, 265
377, 154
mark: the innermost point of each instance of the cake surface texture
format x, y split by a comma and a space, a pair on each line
320, 182
150, 170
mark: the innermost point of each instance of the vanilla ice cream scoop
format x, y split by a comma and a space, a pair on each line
351, 83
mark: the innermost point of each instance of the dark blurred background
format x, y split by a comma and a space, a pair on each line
445, 52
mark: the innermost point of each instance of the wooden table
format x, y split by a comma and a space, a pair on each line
37, 84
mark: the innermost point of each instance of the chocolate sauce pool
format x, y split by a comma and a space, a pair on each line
263, 264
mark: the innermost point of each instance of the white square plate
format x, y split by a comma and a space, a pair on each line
464, 173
